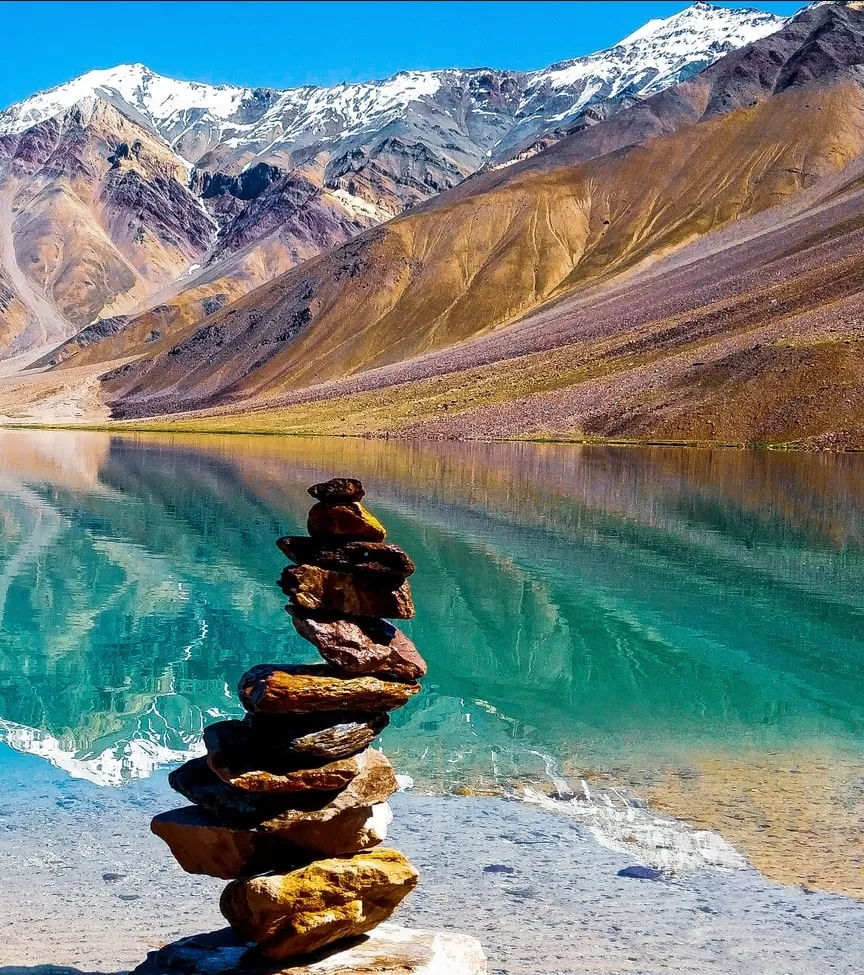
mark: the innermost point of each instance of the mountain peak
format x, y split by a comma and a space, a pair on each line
701, 19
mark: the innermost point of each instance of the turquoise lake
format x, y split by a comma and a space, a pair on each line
598, 612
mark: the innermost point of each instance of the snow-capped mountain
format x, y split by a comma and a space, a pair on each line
254, 124
180, 185
659, 54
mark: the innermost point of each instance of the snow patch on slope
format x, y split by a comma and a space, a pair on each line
157, 98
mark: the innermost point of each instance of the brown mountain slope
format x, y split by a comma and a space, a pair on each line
440, 277
83, 200
102, 220
490, 253
750, 334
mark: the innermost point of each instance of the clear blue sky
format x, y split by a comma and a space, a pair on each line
293, 43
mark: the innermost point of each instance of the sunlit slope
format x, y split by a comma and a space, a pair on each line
454, 271
86, 229
748, 334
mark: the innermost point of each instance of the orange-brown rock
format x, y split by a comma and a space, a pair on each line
201, 844
360, 644
373, 563
198, 783
312, 587
343, 823
299, 689
338, 490
349, 521
232, 755
293, 914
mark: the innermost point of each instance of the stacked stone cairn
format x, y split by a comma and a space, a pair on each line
290, 803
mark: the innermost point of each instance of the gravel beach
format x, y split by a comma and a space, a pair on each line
86, 888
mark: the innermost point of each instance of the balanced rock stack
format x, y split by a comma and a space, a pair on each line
290, 803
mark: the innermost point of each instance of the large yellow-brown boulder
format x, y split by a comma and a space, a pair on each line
311, 587
348, 521
293, 914
300, 689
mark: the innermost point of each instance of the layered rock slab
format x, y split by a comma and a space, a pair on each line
374, 563
360, 645
324, 735
232, 755
388, 950
341, 593
297, 913
203, 845
317, 824
301, 689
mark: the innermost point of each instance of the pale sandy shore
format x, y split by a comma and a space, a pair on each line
86, 888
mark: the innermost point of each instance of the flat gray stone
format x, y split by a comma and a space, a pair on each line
388, 950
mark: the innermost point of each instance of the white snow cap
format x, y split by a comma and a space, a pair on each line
155, 97
661, 50
656, 55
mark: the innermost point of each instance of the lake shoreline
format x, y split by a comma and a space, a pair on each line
95, 891
131, 427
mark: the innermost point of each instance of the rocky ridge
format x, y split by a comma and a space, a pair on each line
531, 300
290, 804
262, 180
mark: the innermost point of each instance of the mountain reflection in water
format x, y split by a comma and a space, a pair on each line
585, 609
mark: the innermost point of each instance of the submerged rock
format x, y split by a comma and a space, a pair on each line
350, 520
388, 950
360, 645
311, 587
299, 689
296, 913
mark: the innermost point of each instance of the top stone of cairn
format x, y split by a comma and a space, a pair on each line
338, 490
